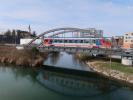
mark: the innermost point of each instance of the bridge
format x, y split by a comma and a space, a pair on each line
62, 31
95, 51
57, 31
53, 33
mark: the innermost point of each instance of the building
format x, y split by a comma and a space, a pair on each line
14, 36
4, 39
25, 41
92, 32
117, 41
23, 34
128, 40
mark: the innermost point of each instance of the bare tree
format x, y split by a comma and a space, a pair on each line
13, 33
8, 33
34, 34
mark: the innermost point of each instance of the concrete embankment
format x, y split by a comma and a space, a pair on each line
25, 57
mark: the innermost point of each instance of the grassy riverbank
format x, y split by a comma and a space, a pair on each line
25, 57
104, 62
114, 69
116, 66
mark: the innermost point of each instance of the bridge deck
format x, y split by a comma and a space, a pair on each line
104, 51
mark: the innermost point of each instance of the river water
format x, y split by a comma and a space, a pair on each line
17, 83
65, 60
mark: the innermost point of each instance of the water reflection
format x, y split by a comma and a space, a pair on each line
37, 84
72, 85
65, 60
54, 57
75, 85
25, 72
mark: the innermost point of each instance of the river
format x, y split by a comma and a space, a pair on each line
17, 83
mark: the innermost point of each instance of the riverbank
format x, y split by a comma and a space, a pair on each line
104, 67
114, 70
25, 57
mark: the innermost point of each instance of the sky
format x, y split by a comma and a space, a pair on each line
114, 17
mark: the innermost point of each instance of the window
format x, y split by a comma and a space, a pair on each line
75, 41
78, 41
50, 41
70, 41
81, 41
93, 41
65, 41
55, 41
86, 41
60, 41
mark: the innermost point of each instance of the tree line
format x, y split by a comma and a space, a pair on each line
20, 33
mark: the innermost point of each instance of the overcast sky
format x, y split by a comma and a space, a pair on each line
115, 17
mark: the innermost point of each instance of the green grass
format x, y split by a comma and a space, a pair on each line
104, 62
117, 66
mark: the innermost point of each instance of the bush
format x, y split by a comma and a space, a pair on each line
85, 56
35, 50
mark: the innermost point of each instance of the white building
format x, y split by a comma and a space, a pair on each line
26, 41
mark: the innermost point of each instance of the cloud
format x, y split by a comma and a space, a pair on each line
113, 16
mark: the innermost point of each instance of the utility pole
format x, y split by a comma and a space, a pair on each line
110, 56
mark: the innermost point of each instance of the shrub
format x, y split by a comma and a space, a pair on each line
35, 50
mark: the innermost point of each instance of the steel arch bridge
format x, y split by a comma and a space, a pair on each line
57, 31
